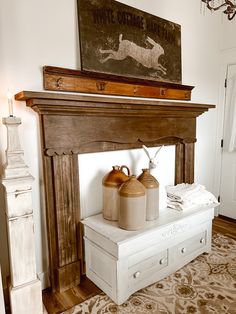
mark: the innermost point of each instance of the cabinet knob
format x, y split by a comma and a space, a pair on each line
162, 261
202, 240
183, 250
137, 274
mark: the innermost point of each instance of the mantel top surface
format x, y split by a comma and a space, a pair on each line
111, 231
33, 95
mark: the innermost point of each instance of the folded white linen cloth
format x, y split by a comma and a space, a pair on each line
179, 206
183, 190
185, 196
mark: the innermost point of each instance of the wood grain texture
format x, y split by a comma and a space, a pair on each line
76, 124
189, 163
65, 171
62, 192
67, 207
74, 102
68, 276
99, 133
51, 220
57, 302
184, 163
179, 163
60, 79
225, 225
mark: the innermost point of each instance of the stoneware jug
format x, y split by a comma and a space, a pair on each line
111, 183
132, 214
152, 194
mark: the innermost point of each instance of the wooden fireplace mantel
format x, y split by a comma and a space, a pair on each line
76, 124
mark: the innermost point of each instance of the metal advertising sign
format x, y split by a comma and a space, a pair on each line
117, 39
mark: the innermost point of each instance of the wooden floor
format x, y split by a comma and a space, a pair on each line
56, 303
224, 225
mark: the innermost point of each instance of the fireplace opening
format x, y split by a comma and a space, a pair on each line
94, 166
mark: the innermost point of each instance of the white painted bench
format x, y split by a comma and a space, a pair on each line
121, 262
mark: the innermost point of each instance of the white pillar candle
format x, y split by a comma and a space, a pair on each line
10, 103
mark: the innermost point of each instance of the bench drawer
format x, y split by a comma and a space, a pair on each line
145, 268
190, 245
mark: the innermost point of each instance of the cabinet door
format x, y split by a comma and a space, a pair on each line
101, 268
228, 168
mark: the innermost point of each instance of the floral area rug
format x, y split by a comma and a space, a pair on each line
206, 285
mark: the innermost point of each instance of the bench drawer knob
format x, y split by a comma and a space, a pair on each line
183, 250
137, 274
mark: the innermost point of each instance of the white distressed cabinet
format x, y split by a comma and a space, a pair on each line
121, 262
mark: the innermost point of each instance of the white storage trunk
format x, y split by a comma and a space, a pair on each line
121, 262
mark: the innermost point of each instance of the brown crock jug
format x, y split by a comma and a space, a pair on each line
152, 194
132, 214
111, 183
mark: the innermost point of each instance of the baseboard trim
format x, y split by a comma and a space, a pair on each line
227, 218
44, 278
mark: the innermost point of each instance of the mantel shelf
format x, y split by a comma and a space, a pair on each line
70, 103
70, 80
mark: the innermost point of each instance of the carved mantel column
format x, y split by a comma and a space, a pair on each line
25, 287
184, 162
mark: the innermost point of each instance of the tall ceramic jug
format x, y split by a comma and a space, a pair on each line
152, 194
132, 205
111, 183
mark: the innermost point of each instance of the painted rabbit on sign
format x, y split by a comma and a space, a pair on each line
149, 58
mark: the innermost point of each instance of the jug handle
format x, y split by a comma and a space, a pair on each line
128, 171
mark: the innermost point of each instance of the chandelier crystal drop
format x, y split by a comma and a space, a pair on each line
228, 6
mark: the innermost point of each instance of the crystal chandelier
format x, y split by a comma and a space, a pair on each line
228, 6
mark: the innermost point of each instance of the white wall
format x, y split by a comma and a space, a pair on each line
36, 33
228, 38
92, 173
